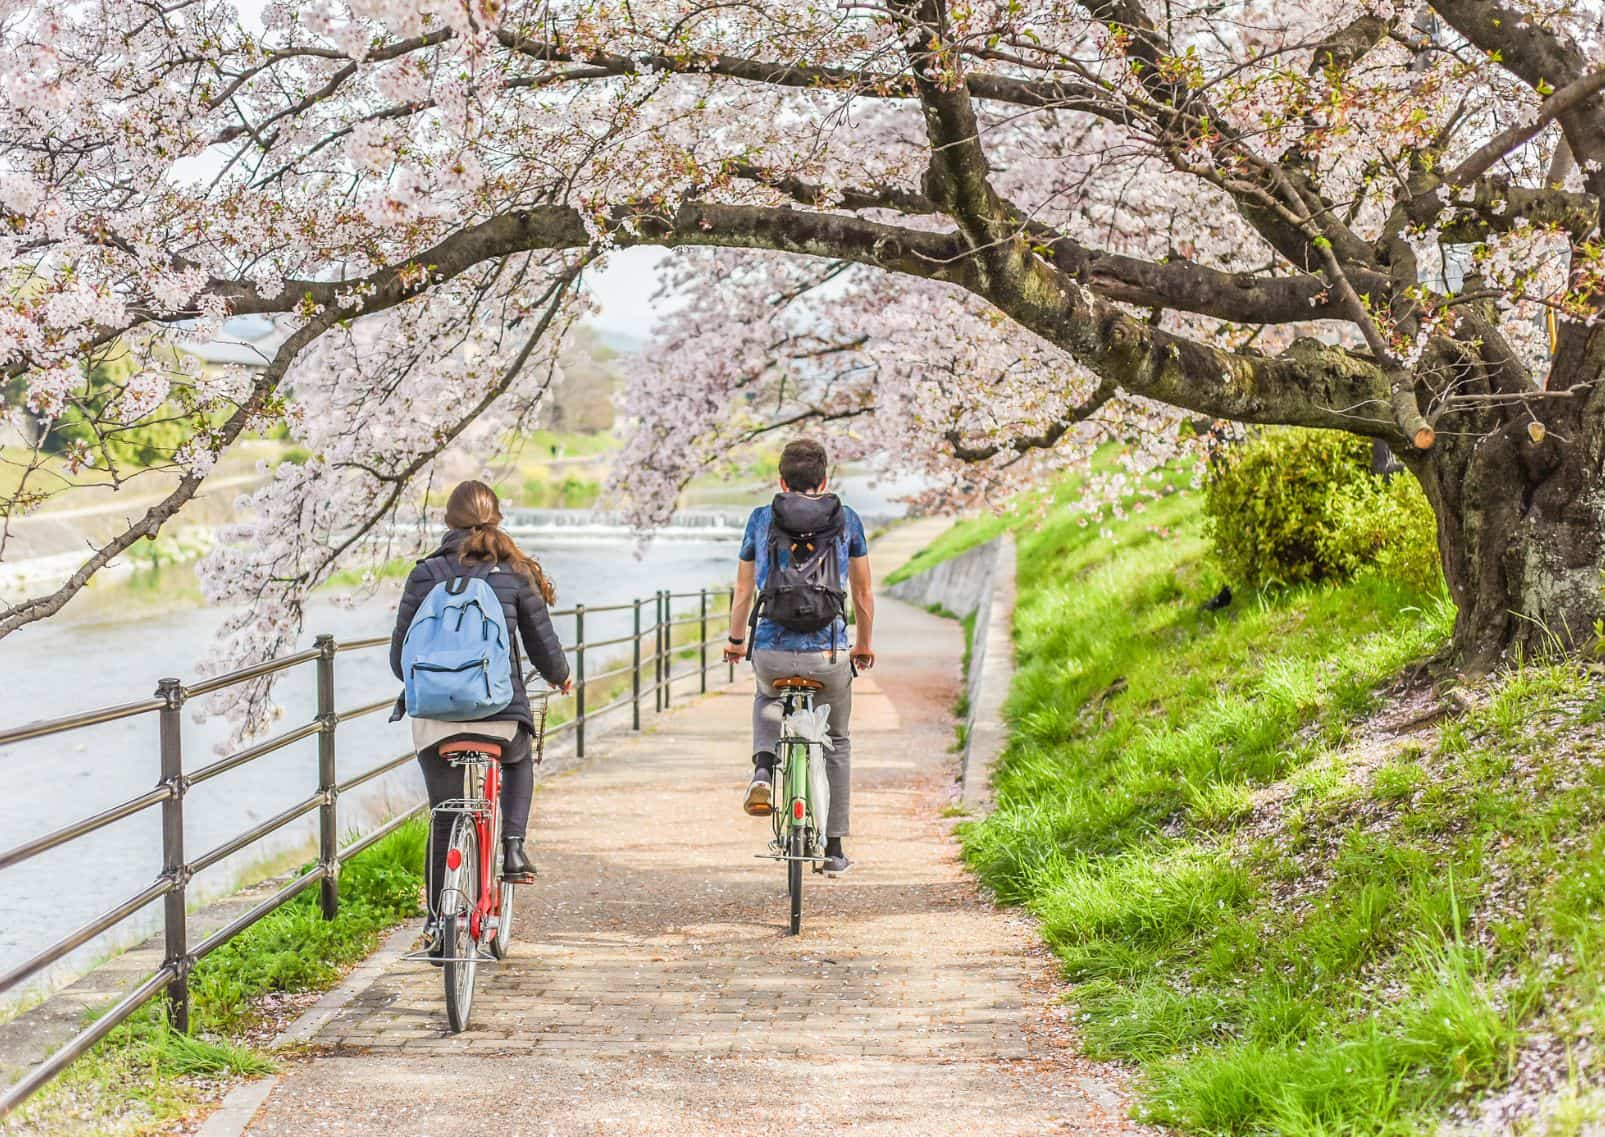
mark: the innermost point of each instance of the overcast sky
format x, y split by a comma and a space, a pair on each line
623, 290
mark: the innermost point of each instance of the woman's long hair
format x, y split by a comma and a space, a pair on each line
473, 507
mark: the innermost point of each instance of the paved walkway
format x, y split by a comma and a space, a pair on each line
652, 990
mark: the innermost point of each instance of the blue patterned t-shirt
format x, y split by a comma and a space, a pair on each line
755, 541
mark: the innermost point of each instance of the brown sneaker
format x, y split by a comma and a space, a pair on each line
759, 801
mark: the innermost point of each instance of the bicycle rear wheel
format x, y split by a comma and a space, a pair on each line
459, 894
796, 849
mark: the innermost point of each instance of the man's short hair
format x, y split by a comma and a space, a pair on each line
802, 465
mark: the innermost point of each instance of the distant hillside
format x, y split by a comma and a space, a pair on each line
582, 400
622, 343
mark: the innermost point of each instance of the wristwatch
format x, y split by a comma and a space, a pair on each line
735, 641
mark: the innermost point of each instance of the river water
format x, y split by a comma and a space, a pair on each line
112, 646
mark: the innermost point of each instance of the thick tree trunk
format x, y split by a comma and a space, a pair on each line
1521, 523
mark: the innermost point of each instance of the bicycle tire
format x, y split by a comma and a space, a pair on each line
796, 849
460, 891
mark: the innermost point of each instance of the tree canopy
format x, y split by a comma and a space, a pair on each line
972, 237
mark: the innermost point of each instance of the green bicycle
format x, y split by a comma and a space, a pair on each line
802, 794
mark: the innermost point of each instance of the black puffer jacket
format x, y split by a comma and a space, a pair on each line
522, 607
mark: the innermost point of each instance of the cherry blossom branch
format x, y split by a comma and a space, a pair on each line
812, 414
397, 481
1176, 284
860, 82
345, 72
379, 292
1572, 95
1142, 359
1043, 440
1524, 46
1407, 416
150, 523
852, 198
1183, 286
957, 177
1185, 118
1546, 61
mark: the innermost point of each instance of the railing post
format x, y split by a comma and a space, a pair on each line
328, 822
174, 867
668, 647
657, 651
579, 680
635, 672
702, 644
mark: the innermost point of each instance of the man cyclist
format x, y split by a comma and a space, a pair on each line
803, 504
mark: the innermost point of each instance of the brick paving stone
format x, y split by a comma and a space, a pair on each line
651, 988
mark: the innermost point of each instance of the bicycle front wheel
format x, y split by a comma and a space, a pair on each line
796, 850
459, 894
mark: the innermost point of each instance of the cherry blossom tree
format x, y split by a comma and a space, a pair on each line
974, 238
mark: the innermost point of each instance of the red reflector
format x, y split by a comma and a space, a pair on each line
454, 859
797, 809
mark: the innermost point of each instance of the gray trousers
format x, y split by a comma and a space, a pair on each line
770, 665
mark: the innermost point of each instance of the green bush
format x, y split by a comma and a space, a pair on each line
1302, 506
1387, 527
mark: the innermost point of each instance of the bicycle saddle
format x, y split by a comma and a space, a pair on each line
798, 683
471, 746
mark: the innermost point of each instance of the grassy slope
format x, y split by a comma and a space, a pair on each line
1291, 919
145, 1076
950, 544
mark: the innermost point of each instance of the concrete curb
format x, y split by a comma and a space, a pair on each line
991, 676
361, 977
981, 582
238, 1109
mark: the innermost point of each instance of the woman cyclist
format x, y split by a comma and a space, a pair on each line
475, 545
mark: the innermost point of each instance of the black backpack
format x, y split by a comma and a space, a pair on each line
806, 594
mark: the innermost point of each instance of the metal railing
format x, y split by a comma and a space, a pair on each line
174, 782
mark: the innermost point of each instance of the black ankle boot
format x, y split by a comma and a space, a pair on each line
516, 865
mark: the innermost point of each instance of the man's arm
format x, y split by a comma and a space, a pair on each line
863, 587
741, 608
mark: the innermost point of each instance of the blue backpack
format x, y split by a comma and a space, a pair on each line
456, 659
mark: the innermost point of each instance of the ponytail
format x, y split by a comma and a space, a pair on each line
488, 543
473, 507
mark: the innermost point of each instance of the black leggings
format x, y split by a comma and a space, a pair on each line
445, 781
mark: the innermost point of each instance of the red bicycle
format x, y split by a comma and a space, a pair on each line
475, 906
